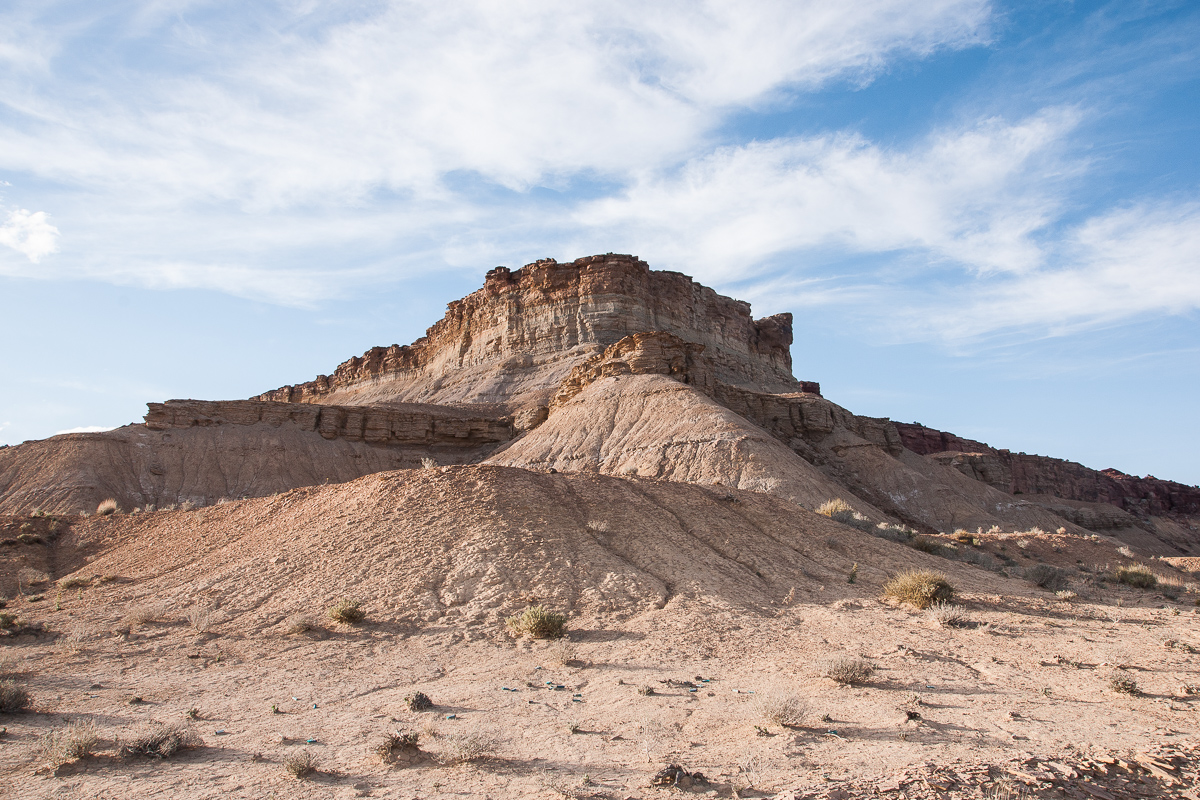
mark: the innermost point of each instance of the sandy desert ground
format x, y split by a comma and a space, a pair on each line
700, 620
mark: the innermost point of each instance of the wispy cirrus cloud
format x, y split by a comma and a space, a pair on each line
976, 196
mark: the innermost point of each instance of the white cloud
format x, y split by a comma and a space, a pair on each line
1131, 263
305, 110
29, 234
976, 197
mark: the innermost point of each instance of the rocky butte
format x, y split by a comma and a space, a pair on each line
597, 365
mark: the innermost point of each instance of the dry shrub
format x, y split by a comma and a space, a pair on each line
31, 577
539, 623
944, 615
1066, 595
347, 610
300, 764
13, 698
141, 614
394, 743
74, 582
429, 463
830, 508
298, 623
70, 743
839, 510
160, 741
107, 507
781, 708
473, 745
848, 670
927, 545
920, 589
418, 701
1123, 684
1047, 577
1137, 575
73, 641
200, 618
564, 651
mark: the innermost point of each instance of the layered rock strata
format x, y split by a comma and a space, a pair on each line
410, 424
516, 339
1021, 473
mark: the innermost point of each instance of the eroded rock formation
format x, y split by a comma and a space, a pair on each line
1021, 473
516, 339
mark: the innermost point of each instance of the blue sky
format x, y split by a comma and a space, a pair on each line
985, 216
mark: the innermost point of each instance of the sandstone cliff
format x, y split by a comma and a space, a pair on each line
516, 339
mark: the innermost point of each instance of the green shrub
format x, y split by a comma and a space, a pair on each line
920, 589
1137, 575
927, 545
539, 623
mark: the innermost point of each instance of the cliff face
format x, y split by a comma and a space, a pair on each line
410, 425
515, 340
1019, 473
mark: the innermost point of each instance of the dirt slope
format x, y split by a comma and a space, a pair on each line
742, 595
476, 542
137, 465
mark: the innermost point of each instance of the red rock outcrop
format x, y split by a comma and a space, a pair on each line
1021, 473
516, 339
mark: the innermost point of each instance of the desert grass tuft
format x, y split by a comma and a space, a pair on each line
830, 508
538, 623
74, 582
72, 742
298, 623
782, 708
1047, 577
920, 589
107, 507
347, 610
945, 615
141, 614
160, 741
848, 670
301, 764
469, 746
13, 698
